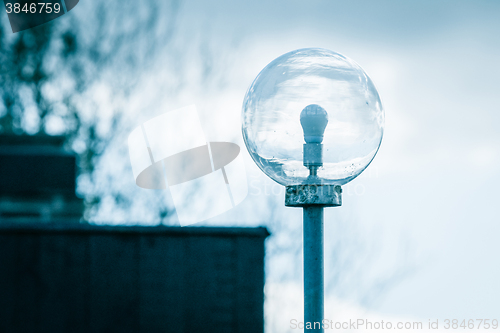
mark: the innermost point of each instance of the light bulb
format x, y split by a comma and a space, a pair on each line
313, 119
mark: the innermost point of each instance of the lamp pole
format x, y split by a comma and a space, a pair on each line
269, 126
313, 266
313, 196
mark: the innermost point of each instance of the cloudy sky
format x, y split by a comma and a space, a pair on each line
427, 207
432, 189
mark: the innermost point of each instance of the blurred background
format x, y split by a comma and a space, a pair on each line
417, 235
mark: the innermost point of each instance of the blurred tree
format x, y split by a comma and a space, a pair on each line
21, 73
48, 72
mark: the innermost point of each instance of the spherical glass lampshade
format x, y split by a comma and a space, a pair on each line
331, 89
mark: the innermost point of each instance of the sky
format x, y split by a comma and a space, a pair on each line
431, 190
419, 228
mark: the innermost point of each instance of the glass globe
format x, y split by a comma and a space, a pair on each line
332, 90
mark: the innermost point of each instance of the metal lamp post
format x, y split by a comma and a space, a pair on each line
313, 197
326, 100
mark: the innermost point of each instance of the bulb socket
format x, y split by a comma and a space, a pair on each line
313, 155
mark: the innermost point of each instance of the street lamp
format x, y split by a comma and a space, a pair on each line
312, 120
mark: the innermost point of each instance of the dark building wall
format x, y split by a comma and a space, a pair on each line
80, 278
37, 179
